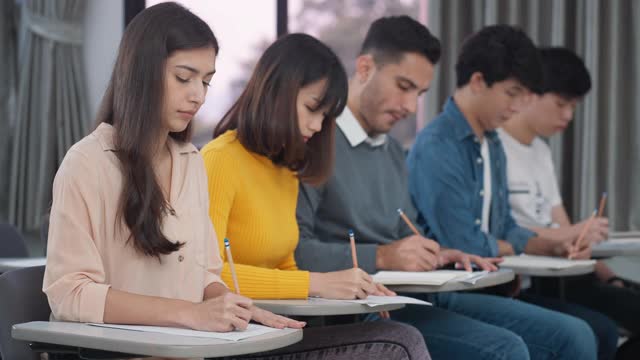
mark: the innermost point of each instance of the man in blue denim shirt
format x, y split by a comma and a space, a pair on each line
447, 185
457, 167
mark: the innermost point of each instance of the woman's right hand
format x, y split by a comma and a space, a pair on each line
223, 313
344, 285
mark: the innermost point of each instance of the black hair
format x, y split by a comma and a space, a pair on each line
564, 73
500, 52
389, 38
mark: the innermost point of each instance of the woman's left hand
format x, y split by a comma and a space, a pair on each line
273, 320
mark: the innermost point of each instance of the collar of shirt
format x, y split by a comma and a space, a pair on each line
461, 127
106, 132
354, 132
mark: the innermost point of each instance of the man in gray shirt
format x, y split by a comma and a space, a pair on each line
369, 184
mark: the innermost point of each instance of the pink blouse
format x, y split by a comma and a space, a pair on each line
87, 248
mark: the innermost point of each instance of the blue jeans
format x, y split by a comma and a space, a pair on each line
478, 326
605, 329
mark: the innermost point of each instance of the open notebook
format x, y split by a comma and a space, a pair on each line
432, 278
542, 262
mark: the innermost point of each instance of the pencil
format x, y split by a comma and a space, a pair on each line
603, 202
584, 232
227, 248
406, 220
354, 255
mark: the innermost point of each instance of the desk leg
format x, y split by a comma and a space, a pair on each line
562, 288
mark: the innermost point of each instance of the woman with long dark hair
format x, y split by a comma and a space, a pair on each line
130, 239
279, 132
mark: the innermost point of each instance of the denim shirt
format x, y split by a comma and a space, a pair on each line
446, 184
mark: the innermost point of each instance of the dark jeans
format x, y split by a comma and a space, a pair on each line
603, 327
620, 304
382, 339
464, 325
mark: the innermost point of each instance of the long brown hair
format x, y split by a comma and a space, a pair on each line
266, 118
133, 104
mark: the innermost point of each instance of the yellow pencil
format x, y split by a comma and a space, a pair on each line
354, 255
409, 223
603, 202
227, 248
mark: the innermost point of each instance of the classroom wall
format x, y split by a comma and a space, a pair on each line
104, 25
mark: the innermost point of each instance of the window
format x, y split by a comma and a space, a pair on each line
343, 24
244, 29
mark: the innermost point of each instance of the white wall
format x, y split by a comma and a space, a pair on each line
104, 25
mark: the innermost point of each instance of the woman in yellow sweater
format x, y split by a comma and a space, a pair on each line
279, 132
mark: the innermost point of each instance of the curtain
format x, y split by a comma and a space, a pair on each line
600, 151
51, 108
8, 79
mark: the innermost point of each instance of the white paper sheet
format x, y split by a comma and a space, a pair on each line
542, 262
618, 244
473, 277
251, 331
433, 278
373, 301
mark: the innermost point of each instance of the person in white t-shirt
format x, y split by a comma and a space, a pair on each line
534, 195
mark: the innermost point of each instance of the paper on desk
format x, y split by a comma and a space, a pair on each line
373, 301
433, 278
472, 277
542, 262
618, 244
251, 331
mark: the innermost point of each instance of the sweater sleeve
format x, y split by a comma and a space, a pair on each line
254, 281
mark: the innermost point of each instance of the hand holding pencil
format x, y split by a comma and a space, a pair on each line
346, 284
579, 245
380, 289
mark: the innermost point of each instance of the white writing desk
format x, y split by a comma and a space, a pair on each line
491, 279
545, 266
8, 264
316, 308
148, 344
617, 247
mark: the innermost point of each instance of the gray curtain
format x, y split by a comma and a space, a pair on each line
51, 110
600, 151
8, 79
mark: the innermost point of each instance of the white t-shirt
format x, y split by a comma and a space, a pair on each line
486, 200
531, 179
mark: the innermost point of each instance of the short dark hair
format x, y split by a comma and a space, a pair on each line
389, 38
564, 73
266, 116
133, 104
500, 52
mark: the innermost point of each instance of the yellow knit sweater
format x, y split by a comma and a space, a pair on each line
253, 204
